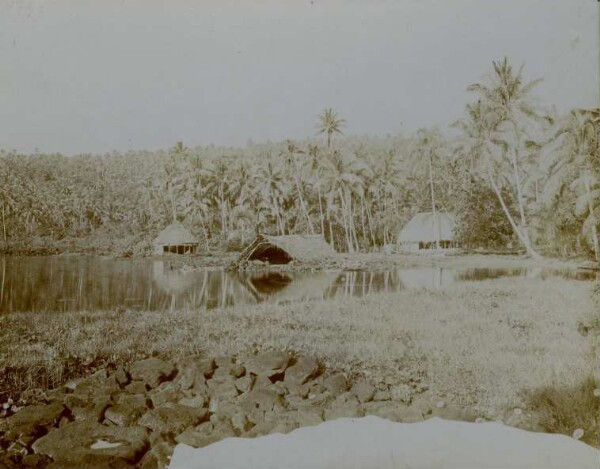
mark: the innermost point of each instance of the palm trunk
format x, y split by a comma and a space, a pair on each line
519, 195
331, 238
513, 224
4, 225
591, 210
346, 223
321, 210
303, 206
435, 218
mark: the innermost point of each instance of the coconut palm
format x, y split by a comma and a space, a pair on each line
424, 157
343, 177
330, 123
507, 117
573, 160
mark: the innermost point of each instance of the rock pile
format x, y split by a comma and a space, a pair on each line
133, 417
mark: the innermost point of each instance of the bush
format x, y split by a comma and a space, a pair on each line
564, 409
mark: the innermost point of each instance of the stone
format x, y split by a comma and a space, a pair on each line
389, 410
261, 399
455, 412
197, 401
93, 412
231, 369
76, 441
136, 387
121, 376
44, 415
336, 384
304, 369
165, 392
32, 421
151, 371
240, 422
224, 360
423, 402
222, 388
401, 392
159, 456
261, 382
363, 390
269, 363
124, 415
411, 415
244, 383
172, 418
344, 407
382, 396
204, 435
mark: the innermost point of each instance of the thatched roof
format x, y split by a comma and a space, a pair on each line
174, 235
423, 226
282, 249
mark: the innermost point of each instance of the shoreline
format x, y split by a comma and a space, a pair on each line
349, 262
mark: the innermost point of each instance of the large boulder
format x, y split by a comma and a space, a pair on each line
303, 370
151, 371
268, 363
77, 442
173, 418
32, 421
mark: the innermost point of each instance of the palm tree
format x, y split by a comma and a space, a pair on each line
506, 116
330, 123
343, 177
573, 160
424, 155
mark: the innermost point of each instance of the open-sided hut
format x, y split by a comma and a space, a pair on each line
283, 249
175, 239
424, 231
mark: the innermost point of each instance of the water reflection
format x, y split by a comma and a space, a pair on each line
73, 283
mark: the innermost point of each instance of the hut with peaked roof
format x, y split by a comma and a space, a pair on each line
175, 239
283, 249
424, 231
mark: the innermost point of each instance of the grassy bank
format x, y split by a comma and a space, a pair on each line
481, 343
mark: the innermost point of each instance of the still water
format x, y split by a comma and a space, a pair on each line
77, 283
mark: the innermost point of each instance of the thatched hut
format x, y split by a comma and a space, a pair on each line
424, 231
175, 239
283, 249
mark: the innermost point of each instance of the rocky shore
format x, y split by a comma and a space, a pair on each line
134, 416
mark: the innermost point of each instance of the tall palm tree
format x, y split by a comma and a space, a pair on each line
573, 160
330, 123
507, 118
424, 155
343, 177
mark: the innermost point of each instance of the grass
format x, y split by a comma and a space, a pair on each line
481, 343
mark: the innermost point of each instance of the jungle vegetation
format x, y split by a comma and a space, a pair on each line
516, 173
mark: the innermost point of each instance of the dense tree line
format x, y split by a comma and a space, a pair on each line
512, 171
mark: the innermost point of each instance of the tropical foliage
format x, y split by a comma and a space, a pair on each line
514, 174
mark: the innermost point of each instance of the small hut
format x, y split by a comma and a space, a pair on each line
424, 231
175, 239
283, 249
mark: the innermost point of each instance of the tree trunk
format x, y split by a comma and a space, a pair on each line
321, 210
435, 218
517, 177
522, 238
303, 206
4, 225
591, 210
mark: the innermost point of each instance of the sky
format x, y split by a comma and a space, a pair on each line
93, 76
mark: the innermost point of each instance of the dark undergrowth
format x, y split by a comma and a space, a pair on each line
565, 409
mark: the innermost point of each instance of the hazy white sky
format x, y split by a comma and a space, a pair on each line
101, 75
